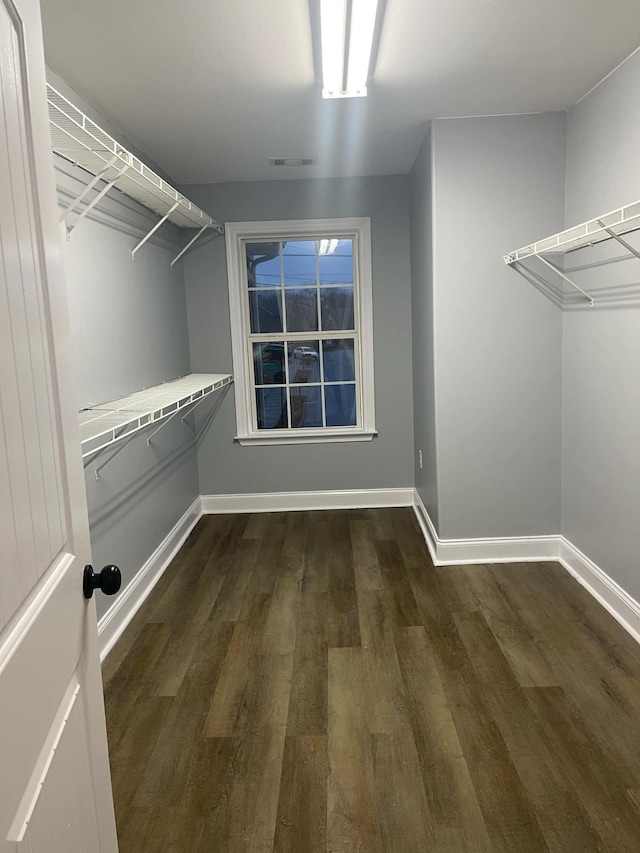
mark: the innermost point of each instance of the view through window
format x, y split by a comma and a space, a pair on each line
302, 291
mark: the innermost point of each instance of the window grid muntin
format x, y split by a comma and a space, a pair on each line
319, 335
310, 336
287, 377
321, 355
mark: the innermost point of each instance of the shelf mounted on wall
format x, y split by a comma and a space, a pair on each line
117, 422
80, 140
610, 226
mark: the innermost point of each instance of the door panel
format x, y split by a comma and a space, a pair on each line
44, 819
31, 485
55, 789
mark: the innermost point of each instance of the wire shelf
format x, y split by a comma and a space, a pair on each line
617, 223
77, 138
107, 423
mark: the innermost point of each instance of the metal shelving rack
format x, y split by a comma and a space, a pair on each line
77, 138
610, 226
119, 421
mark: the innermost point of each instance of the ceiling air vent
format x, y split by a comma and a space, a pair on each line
293, 161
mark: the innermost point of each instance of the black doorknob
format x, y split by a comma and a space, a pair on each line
108, 580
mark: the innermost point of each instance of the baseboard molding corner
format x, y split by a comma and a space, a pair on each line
292, 501
511, 549
448, 552
623, 608
123, 609
426, 525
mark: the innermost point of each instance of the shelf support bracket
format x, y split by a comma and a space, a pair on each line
91, 456
566, 278
619, 239
190, 407
113, 455
96, 179
154, 229
95, 201
189, 244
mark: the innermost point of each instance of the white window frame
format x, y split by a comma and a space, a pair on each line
236, 234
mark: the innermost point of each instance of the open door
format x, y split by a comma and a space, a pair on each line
55, 788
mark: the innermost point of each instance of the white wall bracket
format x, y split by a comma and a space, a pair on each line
190, 408
566, 278
113, 455
619, 239
89, 458
96, 179
189, 244
95, 200
153, 230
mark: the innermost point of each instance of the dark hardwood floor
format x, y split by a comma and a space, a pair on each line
308, 682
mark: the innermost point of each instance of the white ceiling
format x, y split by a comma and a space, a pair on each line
211, 90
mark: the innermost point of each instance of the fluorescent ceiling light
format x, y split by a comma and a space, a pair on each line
363, 21
333, 18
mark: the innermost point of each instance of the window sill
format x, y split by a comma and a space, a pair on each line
324, 437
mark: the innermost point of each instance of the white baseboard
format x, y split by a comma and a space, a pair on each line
448, 552
291, 501
604, 589
116, 619
456, 552
426, 525
444, 552
122, 611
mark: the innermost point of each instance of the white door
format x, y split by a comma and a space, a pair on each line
55, 788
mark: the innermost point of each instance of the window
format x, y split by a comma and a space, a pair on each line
301, 323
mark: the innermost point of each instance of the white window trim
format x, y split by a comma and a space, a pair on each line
304, 229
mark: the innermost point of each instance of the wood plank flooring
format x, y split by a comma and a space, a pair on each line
306, 682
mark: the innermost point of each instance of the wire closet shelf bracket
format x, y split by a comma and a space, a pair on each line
80, 140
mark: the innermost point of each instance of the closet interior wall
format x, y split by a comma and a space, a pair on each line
422, 318
496, 341
129, 329
385, 462
601, 361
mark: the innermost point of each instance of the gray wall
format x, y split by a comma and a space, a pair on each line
424, 416
601, 403
387, 461
129, 328
498, 184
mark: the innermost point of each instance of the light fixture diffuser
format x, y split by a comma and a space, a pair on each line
333, 18
363, 21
